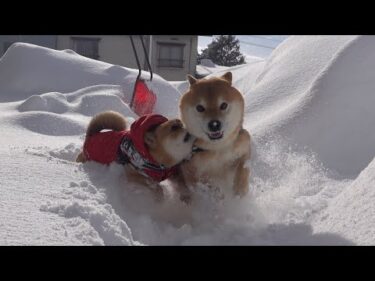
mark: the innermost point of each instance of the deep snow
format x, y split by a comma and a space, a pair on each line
308, 108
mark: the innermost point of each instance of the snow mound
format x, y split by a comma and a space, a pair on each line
207, 67
352, 212
244, 76
88, 101
56, 206
51, 102
319, 97
181, 86
110, 228
202, 70
55, 114
338, 115
207, 62
92, 104
251, 59
52, 113
50, 124
27, 70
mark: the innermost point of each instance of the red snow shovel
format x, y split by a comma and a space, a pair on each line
143, 98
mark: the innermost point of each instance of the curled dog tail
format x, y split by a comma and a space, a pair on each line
106, 120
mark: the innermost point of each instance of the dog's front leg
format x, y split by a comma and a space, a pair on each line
81, 158
179, 185
241, 180
242, 148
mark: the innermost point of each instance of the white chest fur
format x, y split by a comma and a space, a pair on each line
214, 168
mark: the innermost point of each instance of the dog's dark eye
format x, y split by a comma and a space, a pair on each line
200, 108
223, 106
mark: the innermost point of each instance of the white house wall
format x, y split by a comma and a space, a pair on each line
190, 54
114, 49
117, 50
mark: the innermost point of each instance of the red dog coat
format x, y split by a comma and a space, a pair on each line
128, 147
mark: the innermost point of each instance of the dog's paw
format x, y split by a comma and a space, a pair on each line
81, 158
241, 191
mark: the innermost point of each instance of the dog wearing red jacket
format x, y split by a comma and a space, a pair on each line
150, 151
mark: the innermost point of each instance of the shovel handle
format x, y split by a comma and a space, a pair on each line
139, 64
136, 57
146, 56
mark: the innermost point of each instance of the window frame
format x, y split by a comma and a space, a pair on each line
170, 65
76, 39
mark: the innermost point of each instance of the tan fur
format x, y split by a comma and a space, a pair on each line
106, 120
221, 160
155, 140
160, 135
110, 120
81, 158
136, 178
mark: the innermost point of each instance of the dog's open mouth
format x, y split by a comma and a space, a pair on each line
215, 135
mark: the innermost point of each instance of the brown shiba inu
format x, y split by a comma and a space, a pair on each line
150, 150
212, 110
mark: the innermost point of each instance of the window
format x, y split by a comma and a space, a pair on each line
171, 55
88, 47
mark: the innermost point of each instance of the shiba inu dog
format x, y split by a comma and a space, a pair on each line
150, 150
212, 110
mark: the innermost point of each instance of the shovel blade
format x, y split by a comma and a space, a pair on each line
144, 99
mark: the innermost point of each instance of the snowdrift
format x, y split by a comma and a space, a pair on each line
320, 97
207, 67
308, 108
352, 212
27, 70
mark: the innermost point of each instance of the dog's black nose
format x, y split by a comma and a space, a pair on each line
214, 125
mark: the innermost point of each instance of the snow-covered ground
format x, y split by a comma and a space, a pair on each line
258, 46
309, 108
255, 49
207, 67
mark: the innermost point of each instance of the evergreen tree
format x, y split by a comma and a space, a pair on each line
223, 50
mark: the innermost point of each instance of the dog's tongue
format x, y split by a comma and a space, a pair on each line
216, 134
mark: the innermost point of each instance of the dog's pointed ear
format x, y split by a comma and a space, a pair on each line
150, 139
228, 77
191, 79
